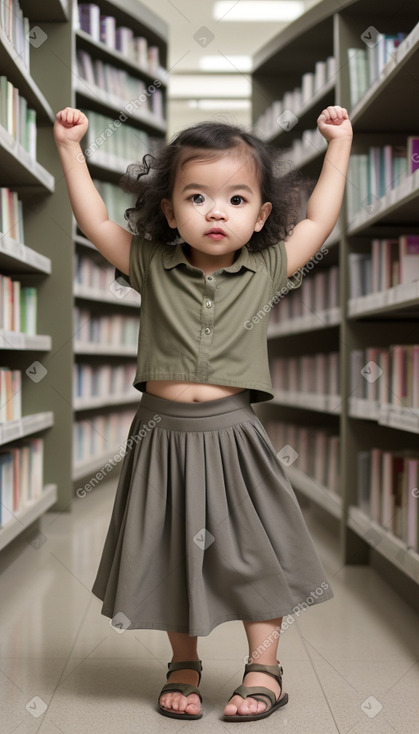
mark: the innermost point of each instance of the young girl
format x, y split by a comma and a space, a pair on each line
205, 526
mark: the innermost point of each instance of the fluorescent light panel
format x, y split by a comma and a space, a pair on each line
219, 104
225, 63
263, 10
206, 85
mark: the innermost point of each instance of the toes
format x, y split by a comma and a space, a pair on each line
180, 703
244, 706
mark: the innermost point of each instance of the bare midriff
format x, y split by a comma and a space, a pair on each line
189, 392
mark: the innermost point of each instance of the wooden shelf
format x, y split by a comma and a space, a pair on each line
316, 492
91, 466
307, 115
392, 416
30, 342
116, 58
98, 99
132, 299
308, 401
17, 168
17, 73
119, 350
28, 515
377, 111
100, 401
384, 542
25, 426
51, 11
319, 320
19, 258
398, 206
400, 298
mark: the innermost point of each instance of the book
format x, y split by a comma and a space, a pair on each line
89, 19
408, 258
413, 153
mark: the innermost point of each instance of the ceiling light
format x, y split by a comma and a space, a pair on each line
219, 104
225, 63
263, 10
195, 86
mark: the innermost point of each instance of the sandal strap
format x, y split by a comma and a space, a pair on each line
185, 665
276, 671
252, 691
184, 688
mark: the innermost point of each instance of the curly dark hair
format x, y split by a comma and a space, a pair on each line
153, 180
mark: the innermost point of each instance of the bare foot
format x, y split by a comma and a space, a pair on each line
176, 701
246, 706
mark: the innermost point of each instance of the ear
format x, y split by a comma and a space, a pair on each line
168, 212
264, 213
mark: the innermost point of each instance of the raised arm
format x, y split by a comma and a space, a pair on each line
112, 240
325, 202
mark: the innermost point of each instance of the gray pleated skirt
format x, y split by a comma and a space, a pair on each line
205, 526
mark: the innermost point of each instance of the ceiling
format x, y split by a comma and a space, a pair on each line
194, 33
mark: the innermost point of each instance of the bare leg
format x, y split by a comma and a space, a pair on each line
184, 648
258, 633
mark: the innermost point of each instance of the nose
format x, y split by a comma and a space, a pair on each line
215, 211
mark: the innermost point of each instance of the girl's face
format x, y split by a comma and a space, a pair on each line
216, 204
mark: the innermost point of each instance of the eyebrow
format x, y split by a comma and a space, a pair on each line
230, 188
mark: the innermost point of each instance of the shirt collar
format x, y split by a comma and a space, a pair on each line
175, 255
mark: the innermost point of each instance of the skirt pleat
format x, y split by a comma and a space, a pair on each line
205, 526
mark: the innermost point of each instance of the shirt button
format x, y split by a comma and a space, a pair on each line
209, 277
208, 330
208, 304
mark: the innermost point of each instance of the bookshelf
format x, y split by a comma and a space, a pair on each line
381, 418
25, 261
48, 256
96, 65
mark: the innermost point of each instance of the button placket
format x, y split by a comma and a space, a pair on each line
207, 325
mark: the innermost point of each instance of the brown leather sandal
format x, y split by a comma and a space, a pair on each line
272, 704
185, 688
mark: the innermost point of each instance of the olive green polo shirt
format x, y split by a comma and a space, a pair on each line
206, 328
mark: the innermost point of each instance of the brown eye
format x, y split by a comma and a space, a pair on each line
236, 200
197, 199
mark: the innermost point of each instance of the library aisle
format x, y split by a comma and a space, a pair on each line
349, 665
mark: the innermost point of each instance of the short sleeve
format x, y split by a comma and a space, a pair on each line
139, 258
276, 264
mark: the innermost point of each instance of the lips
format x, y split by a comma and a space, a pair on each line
215, 233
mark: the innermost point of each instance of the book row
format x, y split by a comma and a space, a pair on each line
103, 29
108, 330
18, 306
388, 375
11, 214
366, 64
116, 200
311, 140
100, 433
102, 381
391, 262
317, 373
10, 394
388, 492
90, 274
283, 114
313, 451
130, 92
21, 477
371, 175
16, 117
122, 142
320, 290
16, 28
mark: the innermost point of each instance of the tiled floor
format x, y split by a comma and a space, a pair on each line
350, 664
